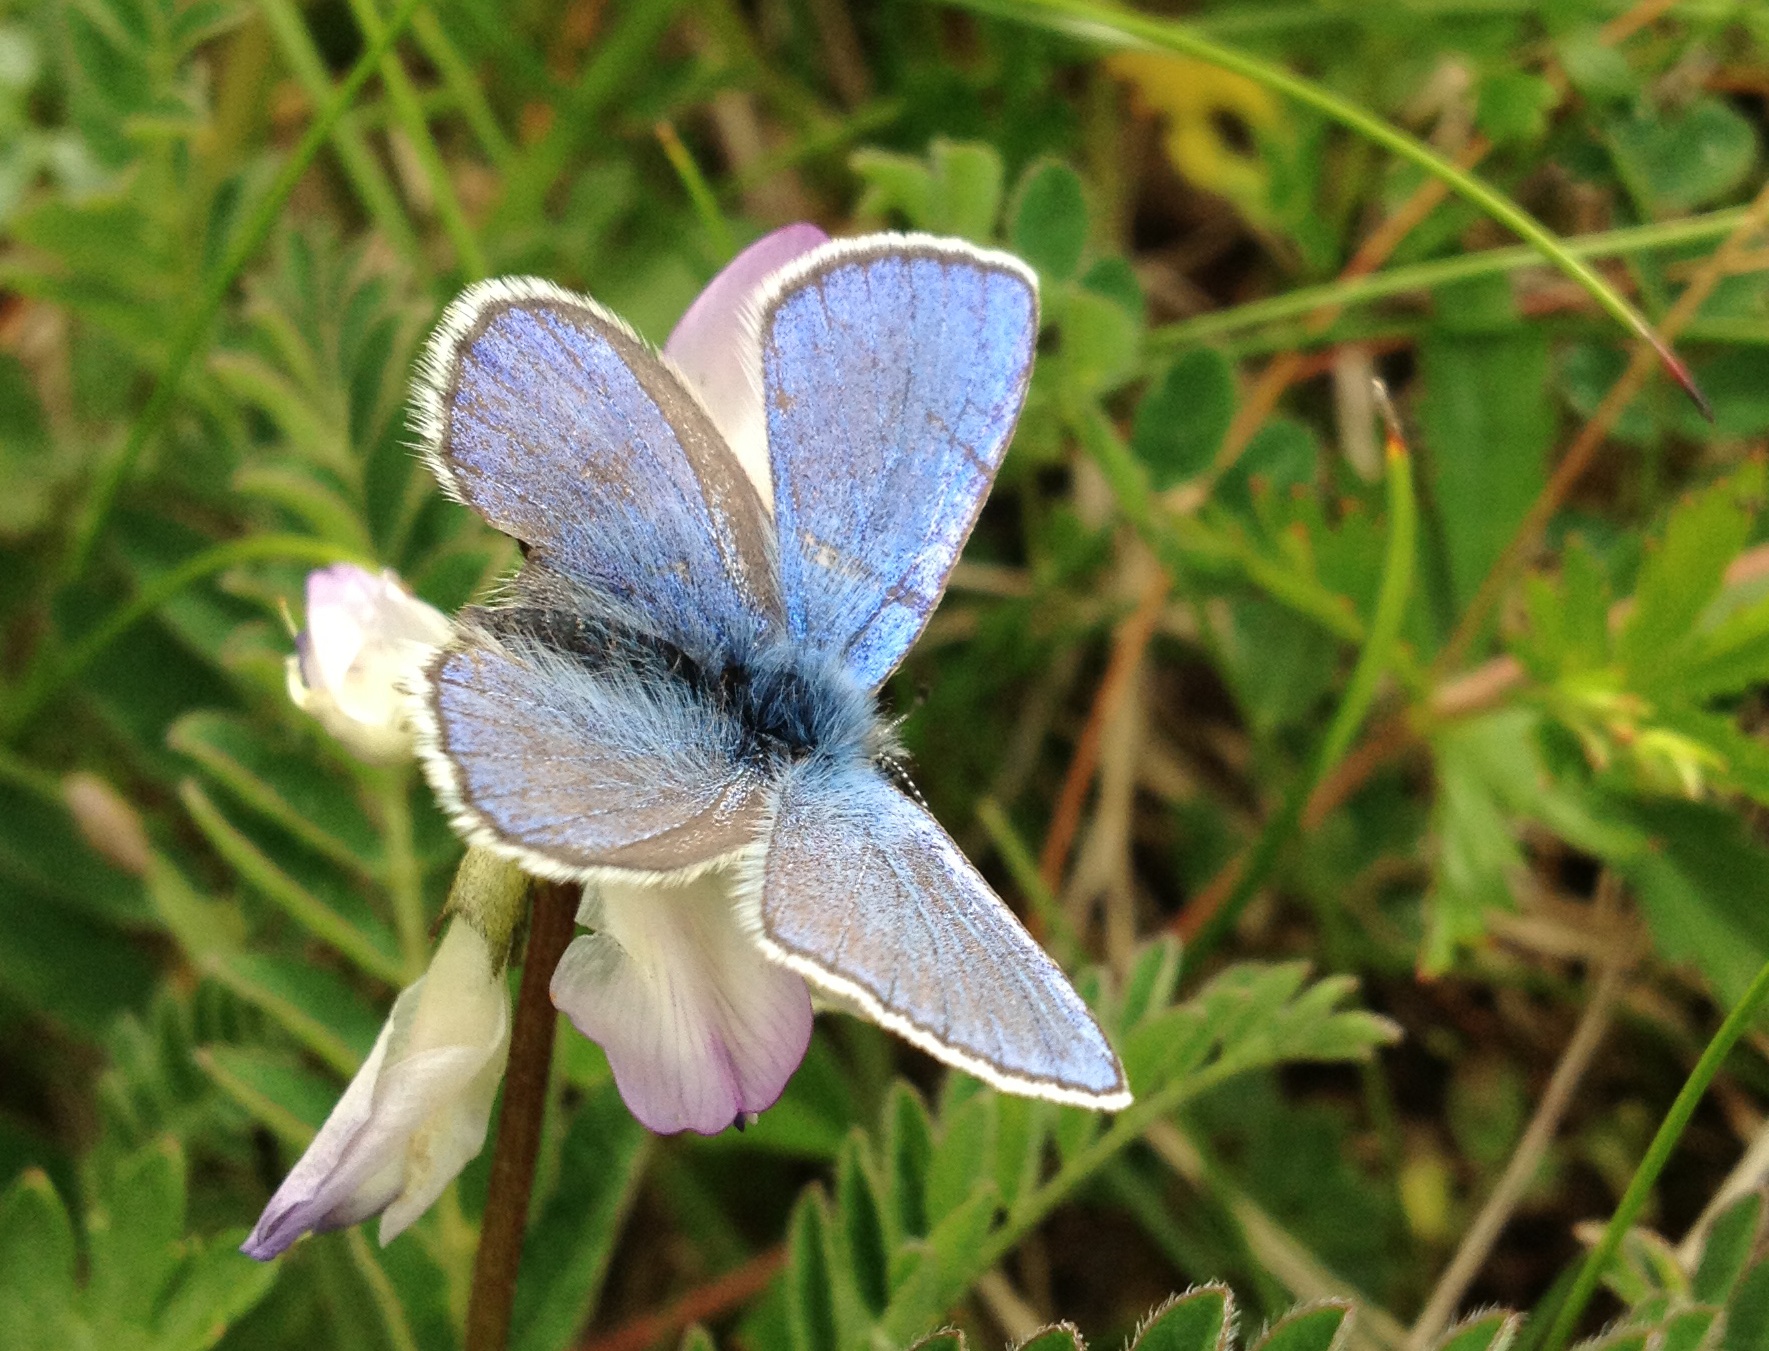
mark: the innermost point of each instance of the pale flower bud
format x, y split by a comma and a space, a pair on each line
366, 635
416, 1112
109, 823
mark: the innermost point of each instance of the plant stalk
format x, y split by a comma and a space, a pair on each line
1658, 1154
551, 919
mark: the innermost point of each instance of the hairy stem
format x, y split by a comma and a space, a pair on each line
550, 924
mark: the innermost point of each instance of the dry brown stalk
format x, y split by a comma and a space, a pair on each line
717, 1296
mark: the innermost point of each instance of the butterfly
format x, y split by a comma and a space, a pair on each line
682, 675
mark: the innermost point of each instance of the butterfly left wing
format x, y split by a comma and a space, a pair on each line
864, 895
550, 418
571, 770
893, 370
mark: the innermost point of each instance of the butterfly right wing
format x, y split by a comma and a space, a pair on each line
554, 421
865, 896
572, 770
893, 370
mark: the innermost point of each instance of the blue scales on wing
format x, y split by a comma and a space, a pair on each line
571, 770
893, 370
866, 896
549, 417
559, 426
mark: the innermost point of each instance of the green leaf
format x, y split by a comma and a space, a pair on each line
1484, 1332
291, 1101
1199, 1320
305, 494
1182, 420
895, 182
1514, 106
361, 937
964, 1158
1726, 659
1491, 771
907, 1148
967, 179
133, 1232
571, 1243
1747, 1312
1316, 1329
1049, 220
1689, 1330
697, 1338
1115, 279
946, 1339
1098, 341
318, 808
809, 1277
1732, 1237
1282, 455
313, 1005
1676, 161
36, 1263
1055, 1337
1167, 1047
41, 848
1684, 570
217, 1286
1568, 618
1596, 69
861, 1238
1021, 1127
1486, 425
1149, 988
65, 966
1700, 886
944, 1266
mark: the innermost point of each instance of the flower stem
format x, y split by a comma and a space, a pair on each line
550, 923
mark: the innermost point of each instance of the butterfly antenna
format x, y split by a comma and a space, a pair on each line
896, 767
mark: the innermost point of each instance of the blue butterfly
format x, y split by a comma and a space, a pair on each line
681, 677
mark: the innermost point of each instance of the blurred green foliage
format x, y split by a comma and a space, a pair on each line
206, 906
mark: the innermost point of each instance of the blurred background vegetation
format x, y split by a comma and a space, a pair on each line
1476, 735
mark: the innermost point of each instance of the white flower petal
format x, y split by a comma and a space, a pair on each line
699, 1027
416, 1111
365, 637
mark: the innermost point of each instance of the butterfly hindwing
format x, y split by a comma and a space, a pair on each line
893, 370
869, 899
556, 423
570, 770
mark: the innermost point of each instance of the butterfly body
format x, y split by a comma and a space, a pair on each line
768, 701
685, 673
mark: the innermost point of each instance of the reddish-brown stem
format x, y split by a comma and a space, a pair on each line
1133, 637
1583, 451
705, 1301
551, 919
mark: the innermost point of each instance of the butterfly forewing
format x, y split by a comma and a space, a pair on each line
549, 417
866, 896
893, 370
